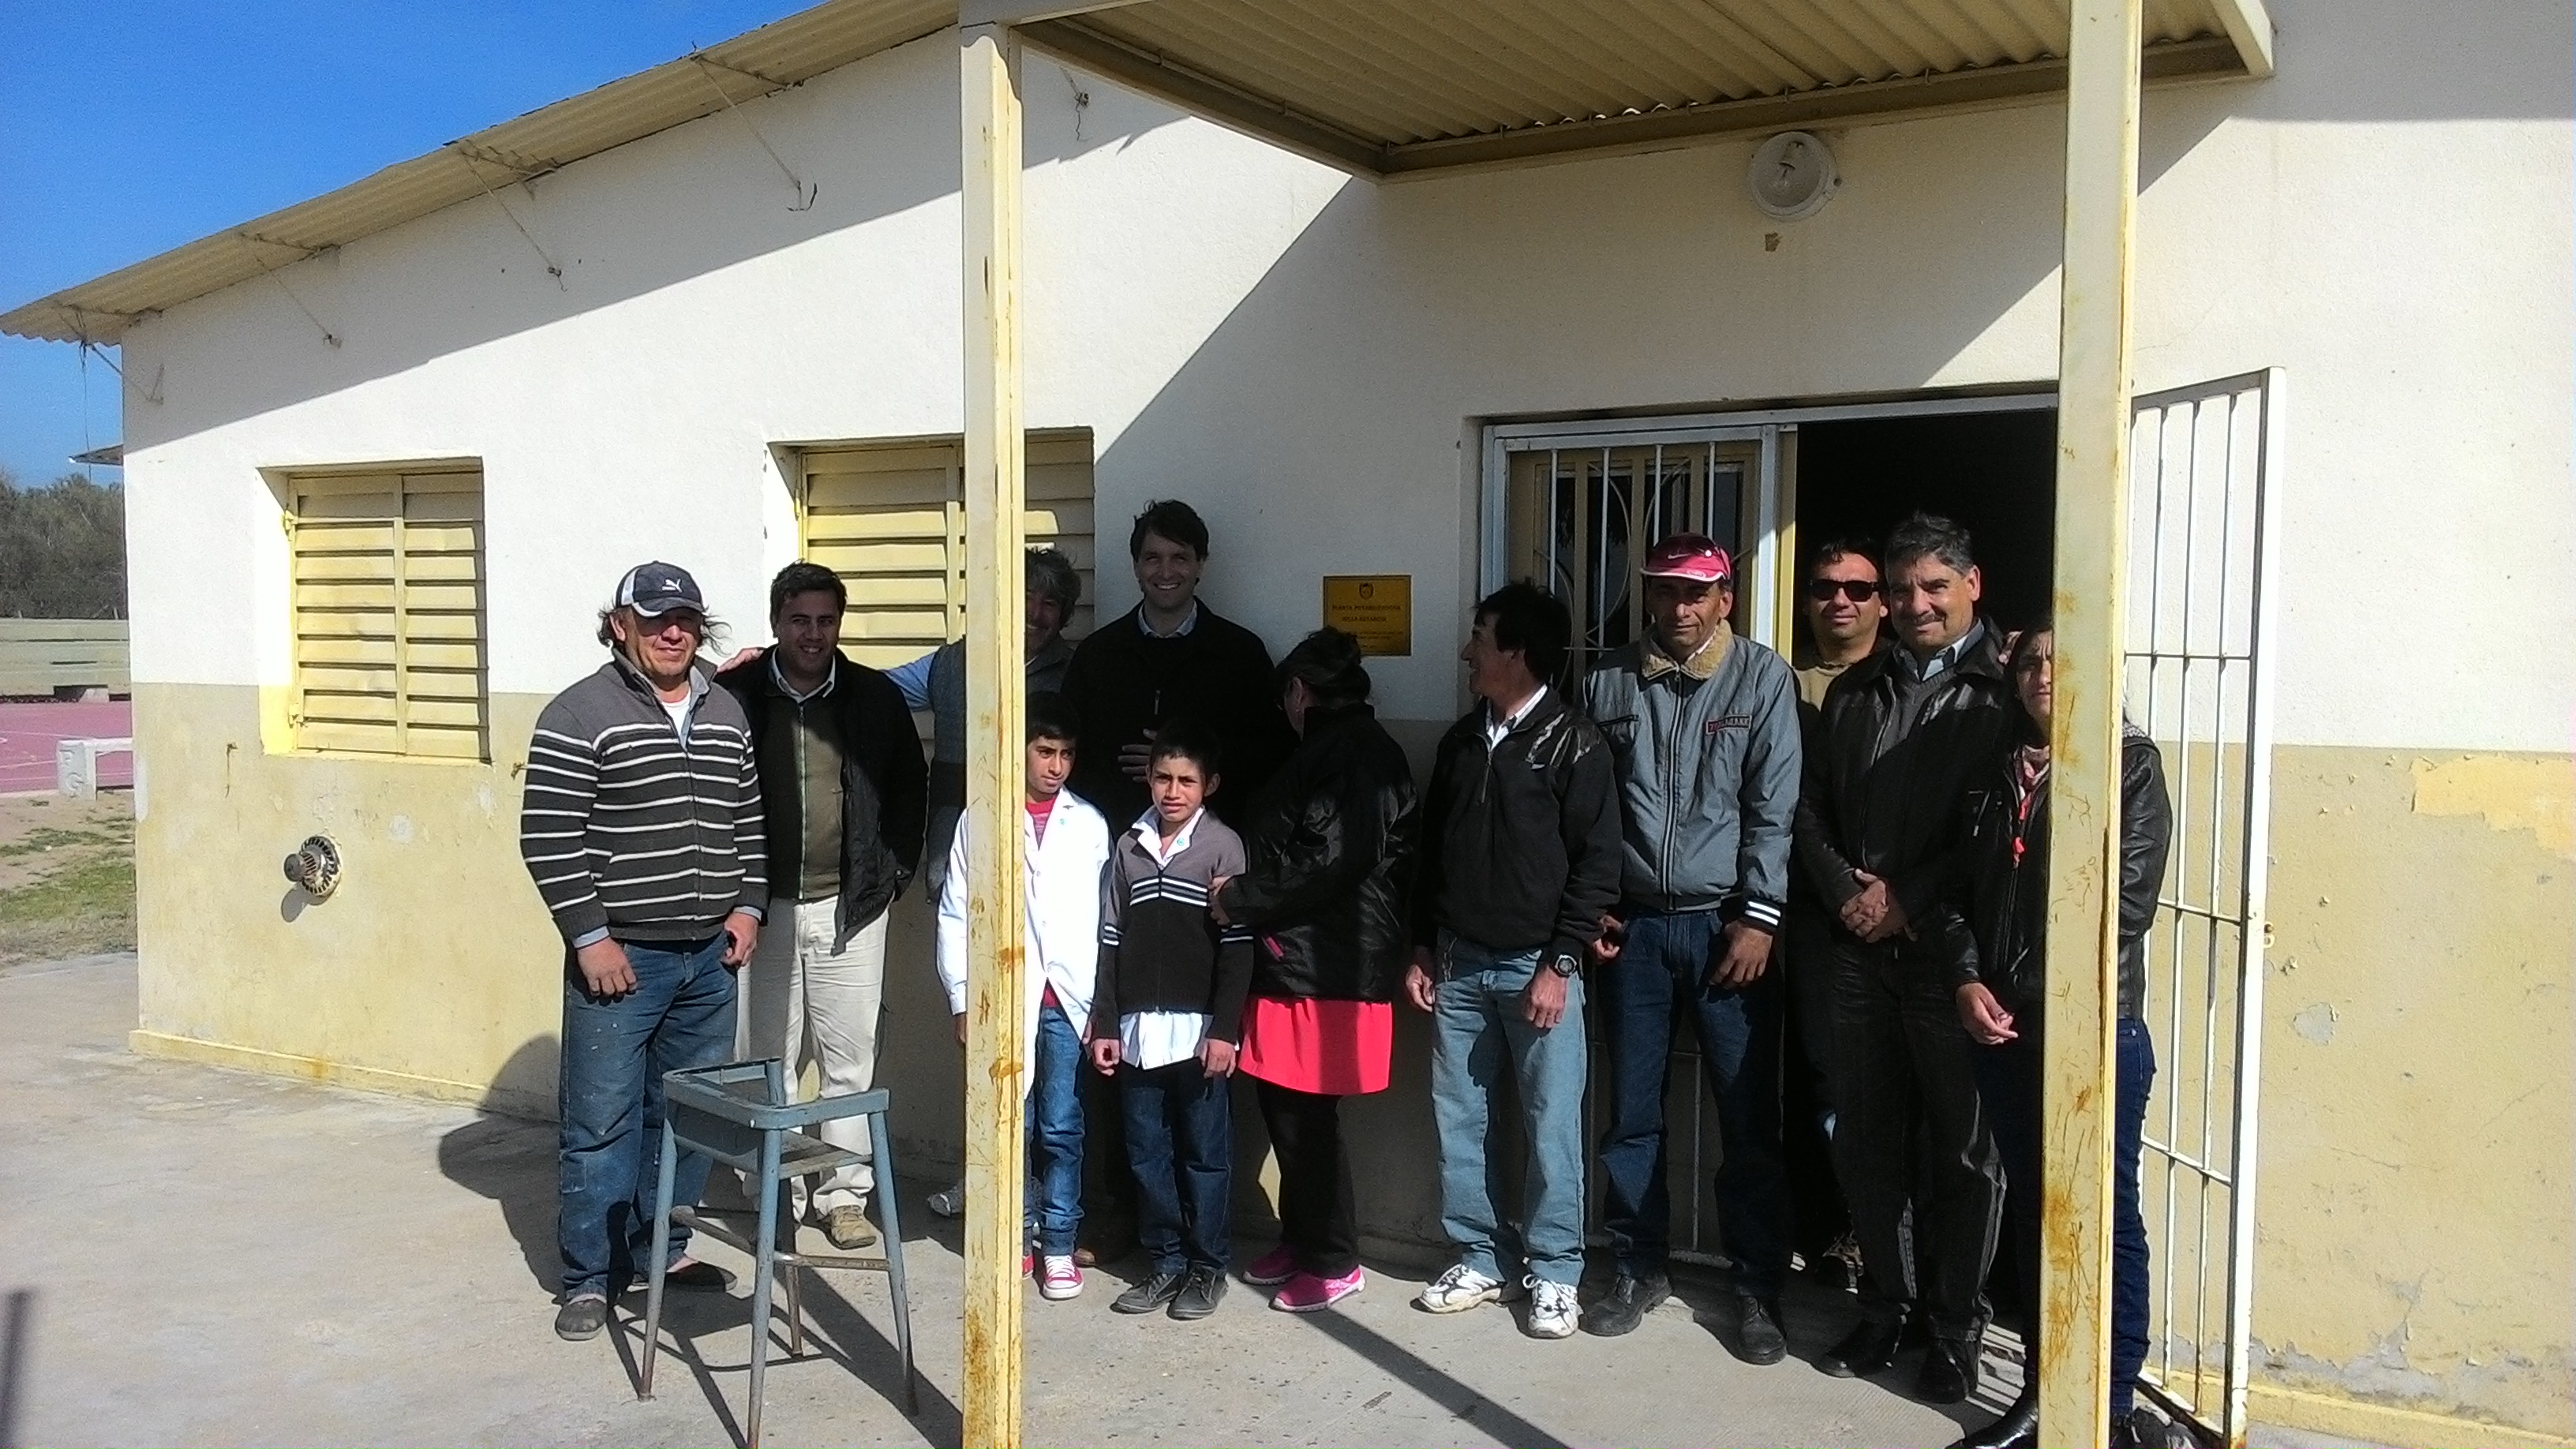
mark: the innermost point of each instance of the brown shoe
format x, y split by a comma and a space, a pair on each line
848, 1227
1085, 1258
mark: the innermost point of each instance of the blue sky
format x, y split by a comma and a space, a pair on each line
130, 126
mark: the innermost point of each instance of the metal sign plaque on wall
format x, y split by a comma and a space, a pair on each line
1376, 609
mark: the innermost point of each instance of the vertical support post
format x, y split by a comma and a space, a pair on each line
996, 700
2084, 793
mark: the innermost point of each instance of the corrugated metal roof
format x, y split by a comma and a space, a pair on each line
1394, 87
771, 58
1381, 87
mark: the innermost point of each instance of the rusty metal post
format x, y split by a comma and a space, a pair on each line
2084, 793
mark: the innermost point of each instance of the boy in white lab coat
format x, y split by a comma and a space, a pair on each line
1067, 846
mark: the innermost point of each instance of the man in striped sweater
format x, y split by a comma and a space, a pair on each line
642, 829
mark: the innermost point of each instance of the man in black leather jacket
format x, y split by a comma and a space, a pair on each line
2000, 980
1903, 737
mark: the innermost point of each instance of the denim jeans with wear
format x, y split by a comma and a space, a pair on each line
1661, 974
680, 1014
1053, 1211
2010, 1077
1480, 1039
1180, 1141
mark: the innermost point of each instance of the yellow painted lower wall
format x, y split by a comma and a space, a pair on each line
2417, 1205
433, 963
2416, 1264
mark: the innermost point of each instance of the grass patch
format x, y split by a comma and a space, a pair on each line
80, 910
46, 838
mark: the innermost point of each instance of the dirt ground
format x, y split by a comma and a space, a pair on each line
66, 876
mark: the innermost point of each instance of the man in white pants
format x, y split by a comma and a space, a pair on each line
844, 790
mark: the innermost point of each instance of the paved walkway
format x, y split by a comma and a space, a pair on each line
221, 1258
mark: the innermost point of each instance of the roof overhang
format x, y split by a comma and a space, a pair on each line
1382, 88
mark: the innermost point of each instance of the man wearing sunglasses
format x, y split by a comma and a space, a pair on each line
1844, 606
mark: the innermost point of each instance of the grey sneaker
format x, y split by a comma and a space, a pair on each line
582, 1318
1200, 1293
950, 1202
1148, 1294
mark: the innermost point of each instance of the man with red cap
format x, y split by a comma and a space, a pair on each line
1703, 729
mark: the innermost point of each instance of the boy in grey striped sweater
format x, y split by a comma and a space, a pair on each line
642, 831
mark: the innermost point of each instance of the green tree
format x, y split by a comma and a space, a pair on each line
62, 549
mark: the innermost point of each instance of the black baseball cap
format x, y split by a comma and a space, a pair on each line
655, 589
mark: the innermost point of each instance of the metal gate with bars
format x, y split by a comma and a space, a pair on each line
2198, 620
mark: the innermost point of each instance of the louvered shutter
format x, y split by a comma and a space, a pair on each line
388, 614
891, 521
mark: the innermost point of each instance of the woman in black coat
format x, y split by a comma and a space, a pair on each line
2001, 994
1329, 851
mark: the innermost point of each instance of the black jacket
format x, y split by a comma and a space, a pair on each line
1890, 767
2004, 894
1125, 684
1330, 846
884, 784
1520, 841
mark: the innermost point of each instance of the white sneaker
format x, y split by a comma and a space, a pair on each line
950, 1202
1058, 1278
1458, 1290
1553, 1309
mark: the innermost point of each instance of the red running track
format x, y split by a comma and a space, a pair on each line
28, 733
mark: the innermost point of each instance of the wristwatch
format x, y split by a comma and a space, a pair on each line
1563, 963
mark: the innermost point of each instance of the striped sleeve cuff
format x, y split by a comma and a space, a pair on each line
1759, 912
590, 937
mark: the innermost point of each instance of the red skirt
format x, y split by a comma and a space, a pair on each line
1330, 1048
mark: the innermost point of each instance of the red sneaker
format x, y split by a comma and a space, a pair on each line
1272, 1268
1307, 1293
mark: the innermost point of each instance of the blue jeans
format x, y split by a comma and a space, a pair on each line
1180, 1141
1660, 974
1054, 1201
2010, 1077
1479, 1037
680, 1014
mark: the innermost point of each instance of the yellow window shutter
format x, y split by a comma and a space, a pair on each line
890, 519
388, 613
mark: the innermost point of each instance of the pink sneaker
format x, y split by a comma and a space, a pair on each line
1307, 1293
1272, 1268
1058, 1278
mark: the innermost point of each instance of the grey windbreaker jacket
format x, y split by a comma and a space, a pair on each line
1708, 766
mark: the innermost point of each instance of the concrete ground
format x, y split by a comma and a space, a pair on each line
205, 1256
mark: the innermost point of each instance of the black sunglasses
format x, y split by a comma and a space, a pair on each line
1859, 591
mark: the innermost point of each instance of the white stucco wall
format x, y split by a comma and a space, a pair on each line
1299, 353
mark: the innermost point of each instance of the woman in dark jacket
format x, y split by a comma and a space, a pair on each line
2001, 995
1329, 851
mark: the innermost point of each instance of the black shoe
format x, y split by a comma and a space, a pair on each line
1149, 1294
2144, 1428
1867, 1349
1758, 1338
582, 1318
1626, 1305
1199, 1293
2017, 1429
1949, 1371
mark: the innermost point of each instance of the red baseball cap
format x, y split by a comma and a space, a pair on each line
1693, 556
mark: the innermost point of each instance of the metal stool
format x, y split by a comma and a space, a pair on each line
739, 1114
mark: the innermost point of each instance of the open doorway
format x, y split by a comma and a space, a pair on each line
1994, 472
